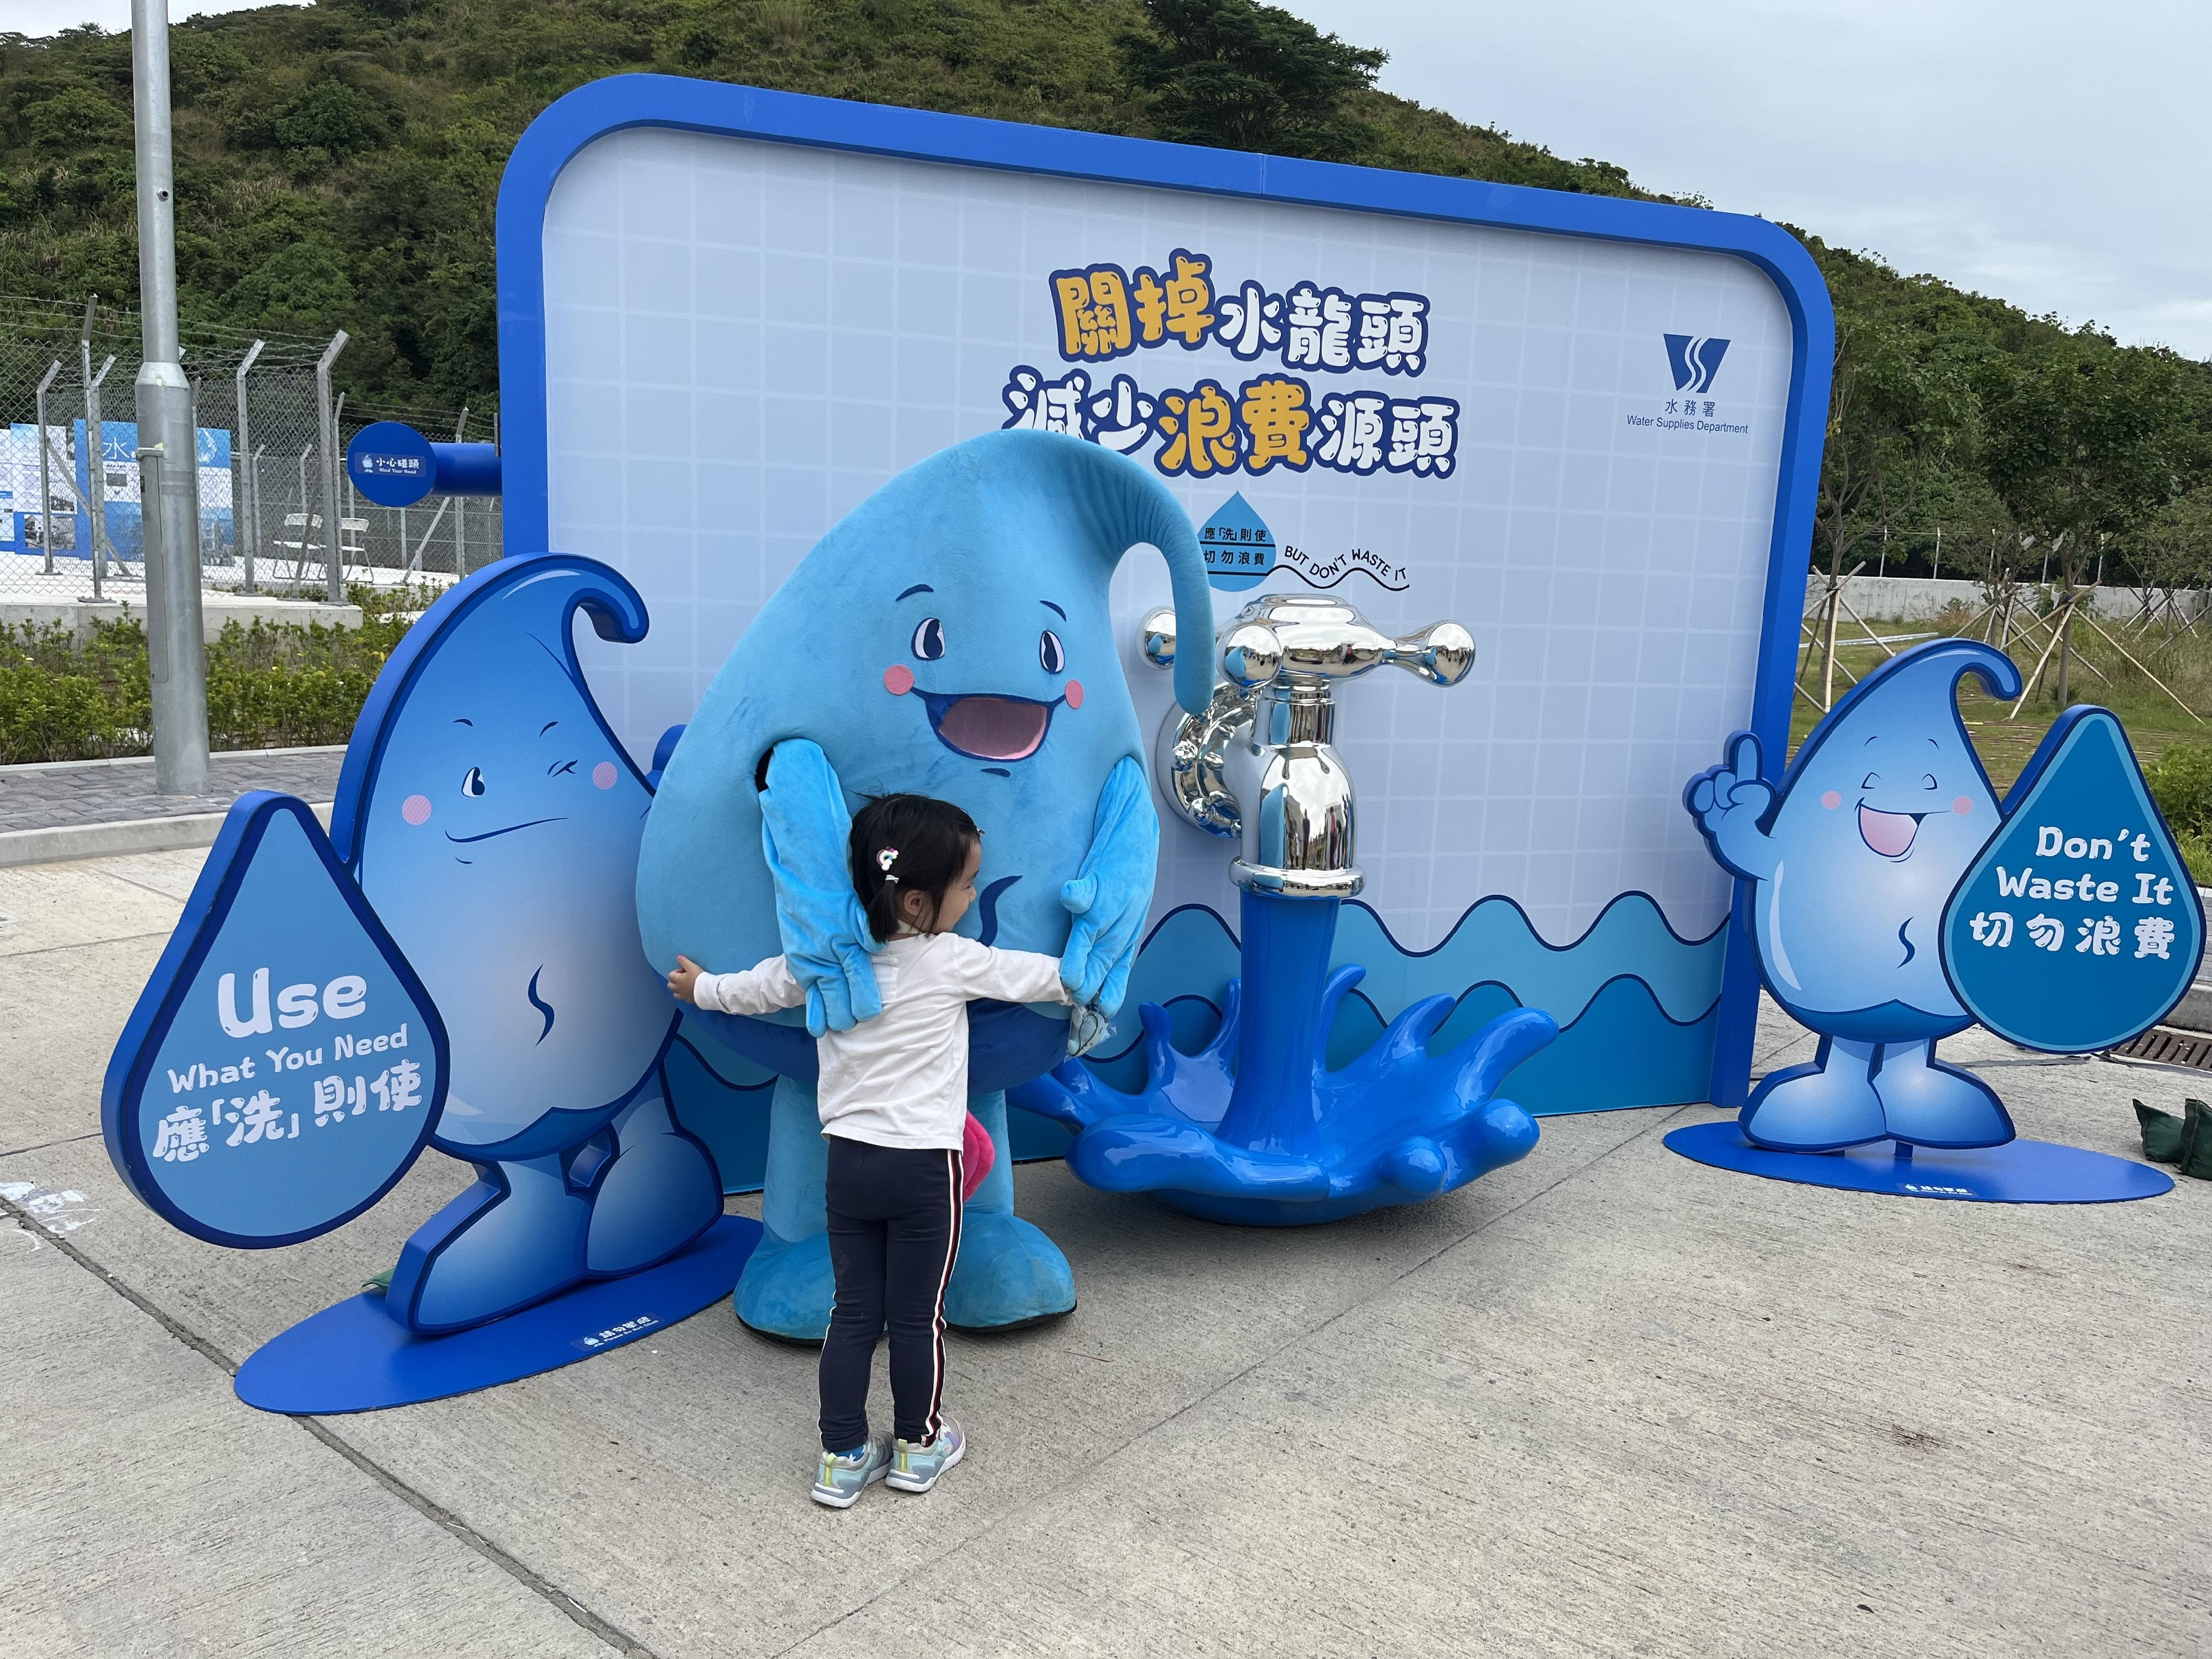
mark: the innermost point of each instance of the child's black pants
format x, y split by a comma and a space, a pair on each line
894, 1234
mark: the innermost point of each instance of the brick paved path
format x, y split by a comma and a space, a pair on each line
109, 792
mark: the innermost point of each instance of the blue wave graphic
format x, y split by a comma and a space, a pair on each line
1636, 1002
1193, 952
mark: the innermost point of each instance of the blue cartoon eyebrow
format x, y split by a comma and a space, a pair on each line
458, 720
548, 726
919, 587
1054, 609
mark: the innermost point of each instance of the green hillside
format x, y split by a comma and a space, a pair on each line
337, 166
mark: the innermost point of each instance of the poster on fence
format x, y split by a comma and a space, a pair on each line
72, 491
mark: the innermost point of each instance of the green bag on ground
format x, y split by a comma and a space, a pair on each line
2162, 1134
2196, 1158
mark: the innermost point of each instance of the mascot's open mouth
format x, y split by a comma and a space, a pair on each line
1889, 834
990, 728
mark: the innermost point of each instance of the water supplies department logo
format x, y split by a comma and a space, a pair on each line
1695, 359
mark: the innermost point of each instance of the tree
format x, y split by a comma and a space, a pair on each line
1241, 76
2083, 441
1899, 409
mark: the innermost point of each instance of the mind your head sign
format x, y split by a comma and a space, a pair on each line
1588, 429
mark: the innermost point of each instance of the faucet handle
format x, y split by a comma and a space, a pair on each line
1440, 653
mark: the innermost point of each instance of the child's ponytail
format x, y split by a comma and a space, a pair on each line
907, 844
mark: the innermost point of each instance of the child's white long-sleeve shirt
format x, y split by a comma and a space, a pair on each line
900, 1079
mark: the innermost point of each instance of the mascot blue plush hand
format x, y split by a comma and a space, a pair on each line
492, 821
950, 637
1855, 854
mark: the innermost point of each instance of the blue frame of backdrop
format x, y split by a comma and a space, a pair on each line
594, 112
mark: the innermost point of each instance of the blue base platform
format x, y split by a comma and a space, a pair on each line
355, 1358
2018, 1172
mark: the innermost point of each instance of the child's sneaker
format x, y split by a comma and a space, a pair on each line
915, 1464
843, 1476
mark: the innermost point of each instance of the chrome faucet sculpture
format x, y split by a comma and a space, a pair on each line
1255, 1129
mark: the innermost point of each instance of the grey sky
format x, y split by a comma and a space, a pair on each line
2053, 152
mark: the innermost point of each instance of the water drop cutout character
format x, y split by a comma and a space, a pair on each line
1853, 855
492, 819
950, 637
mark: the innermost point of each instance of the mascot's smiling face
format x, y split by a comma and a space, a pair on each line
1014, 680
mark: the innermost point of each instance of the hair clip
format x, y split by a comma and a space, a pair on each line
885, 860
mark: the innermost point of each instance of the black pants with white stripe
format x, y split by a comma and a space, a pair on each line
894, 1233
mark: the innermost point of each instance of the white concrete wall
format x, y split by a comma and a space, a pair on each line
1922, 599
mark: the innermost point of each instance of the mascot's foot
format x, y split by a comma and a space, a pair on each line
1819, 1108
661, 1193
490, 1252
1928, 1104
787, 1287
1009, 1275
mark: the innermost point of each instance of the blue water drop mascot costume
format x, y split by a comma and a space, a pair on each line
481, 820
1854, 856
950, 637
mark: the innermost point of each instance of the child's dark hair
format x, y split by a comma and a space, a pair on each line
907, 844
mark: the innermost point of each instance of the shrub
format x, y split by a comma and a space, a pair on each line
2180, 781
269, 685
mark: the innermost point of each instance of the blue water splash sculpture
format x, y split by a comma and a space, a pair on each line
951, 636
492, 819
1254, 1128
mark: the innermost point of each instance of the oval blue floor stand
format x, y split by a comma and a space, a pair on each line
355, 1358
2017, 1172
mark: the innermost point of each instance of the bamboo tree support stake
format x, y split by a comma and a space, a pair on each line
2036, 678
2145, 673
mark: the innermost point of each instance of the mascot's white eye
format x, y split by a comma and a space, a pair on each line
1050, 653
473, 784
929, 639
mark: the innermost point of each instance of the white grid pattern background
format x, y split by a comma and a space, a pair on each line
745, 339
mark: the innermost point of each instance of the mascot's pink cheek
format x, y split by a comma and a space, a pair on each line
898, 679
1831, 800
603, 774
1074, 694
1963, 806
415, 809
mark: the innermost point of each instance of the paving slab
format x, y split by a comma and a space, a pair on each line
67, 792
152, 1515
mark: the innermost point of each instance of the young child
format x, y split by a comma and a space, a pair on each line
894, 1096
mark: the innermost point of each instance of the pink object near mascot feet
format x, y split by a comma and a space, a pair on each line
976, 1156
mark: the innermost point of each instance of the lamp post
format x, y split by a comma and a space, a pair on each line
176, 644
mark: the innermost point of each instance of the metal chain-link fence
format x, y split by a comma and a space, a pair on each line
69, 506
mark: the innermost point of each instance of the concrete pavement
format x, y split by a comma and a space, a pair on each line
1604, 1401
